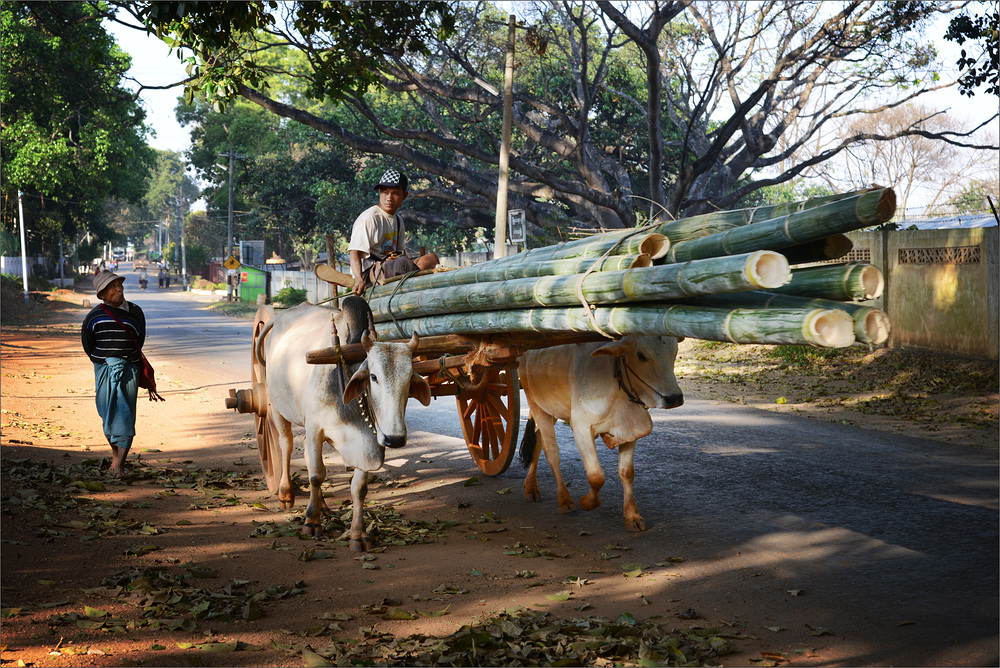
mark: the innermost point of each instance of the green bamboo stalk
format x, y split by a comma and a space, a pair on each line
486, 272
817, 327
685, 229
869, 208
857, 281
871, 325
737, 273
624, 242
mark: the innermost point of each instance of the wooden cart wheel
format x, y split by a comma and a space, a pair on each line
267, 434
490, 415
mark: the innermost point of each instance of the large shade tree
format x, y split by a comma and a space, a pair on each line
72, 135
702, 103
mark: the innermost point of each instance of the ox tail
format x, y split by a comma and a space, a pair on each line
528, 443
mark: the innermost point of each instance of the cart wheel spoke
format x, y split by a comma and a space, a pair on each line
267, 434
490, 419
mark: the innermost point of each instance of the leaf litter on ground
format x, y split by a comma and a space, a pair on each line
518, 636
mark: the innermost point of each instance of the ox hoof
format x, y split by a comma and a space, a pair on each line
311, 528
362, 544
635, 524
567, 508
532, 495
587, 502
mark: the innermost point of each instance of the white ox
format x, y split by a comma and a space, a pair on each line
600, 390
319, 398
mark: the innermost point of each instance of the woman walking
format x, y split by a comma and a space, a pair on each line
113, 334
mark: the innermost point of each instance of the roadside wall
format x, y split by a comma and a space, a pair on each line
942, 286
316, 290
12, 265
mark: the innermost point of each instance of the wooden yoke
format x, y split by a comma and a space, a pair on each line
459, 350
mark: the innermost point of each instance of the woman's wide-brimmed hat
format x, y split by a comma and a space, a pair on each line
105, 279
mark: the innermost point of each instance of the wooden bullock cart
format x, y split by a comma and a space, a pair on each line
479, 371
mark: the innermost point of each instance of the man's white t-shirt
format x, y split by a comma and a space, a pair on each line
376, 232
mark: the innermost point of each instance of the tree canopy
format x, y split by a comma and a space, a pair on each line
621, 111
72, 136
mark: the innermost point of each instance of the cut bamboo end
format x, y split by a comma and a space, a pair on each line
871, 325
886, 208
829, 329
641, 261
655, 245
767, 270
872, 281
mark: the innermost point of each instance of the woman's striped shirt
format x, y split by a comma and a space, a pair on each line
104, 338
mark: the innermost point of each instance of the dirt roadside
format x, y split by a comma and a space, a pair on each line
190, 563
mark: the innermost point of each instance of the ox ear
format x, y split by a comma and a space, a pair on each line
420, 389
613, 349
357, 385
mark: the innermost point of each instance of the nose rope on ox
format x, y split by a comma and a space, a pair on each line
621, 371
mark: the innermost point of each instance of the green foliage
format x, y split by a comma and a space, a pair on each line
35, 283
236, 309
72, 134
225, 38
290, 296
982, 67
790, 191
972, 198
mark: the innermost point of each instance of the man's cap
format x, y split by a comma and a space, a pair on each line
393, 178
105, 279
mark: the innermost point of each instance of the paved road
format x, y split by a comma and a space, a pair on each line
184, 335
881, 534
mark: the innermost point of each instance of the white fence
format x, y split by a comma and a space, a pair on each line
316, 290
12, 265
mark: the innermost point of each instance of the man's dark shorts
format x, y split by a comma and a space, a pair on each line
380, 271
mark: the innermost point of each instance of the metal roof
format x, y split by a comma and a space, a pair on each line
963, 220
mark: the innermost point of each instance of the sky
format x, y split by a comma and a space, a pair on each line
153, 64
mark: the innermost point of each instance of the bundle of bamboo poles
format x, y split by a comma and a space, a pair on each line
725, 276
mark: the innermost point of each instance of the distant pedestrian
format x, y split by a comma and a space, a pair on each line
161, 276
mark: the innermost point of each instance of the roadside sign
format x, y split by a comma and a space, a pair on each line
515, 226
231, 262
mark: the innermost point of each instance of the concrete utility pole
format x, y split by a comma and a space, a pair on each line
183, 224
24, 253
229, 235
500, 242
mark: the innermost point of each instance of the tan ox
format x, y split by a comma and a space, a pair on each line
600, 390
360, 417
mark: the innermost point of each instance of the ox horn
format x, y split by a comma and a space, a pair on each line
414, 342
371, 327
367, 342
336, 334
